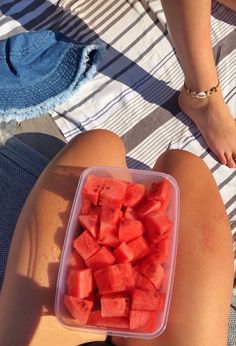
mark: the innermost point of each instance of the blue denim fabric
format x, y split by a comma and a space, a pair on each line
40, 70
20, 167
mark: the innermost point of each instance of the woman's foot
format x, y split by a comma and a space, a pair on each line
213, 119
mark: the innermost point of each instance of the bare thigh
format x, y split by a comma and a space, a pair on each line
27, 297
204, 271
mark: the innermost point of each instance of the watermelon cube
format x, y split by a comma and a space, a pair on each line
112, 193
142, 281
129, 213
160, 251
92, 188
135, 193
123, 253
146, 300
110, 215
156, 224
76, 261
79, 283
115, 305
85, 208
148, 207
160, 192
158, 238
154, 271
90, 223
108, 235
79, 308
130, 229
139, 319
88, 208
145, 323
139, 247
100, 259
86, 245
115, 278
96, 319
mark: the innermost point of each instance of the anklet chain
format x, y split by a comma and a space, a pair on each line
202, 94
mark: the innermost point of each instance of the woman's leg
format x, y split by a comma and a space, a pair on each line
204, 272
189, 24
228, 3
27, 296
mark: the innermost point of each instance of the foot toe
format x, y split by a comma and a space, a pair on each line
230, 160
222, 158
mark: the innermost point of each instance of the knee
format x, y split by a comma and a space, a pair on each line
105, 136
181, 158
98, 136
99, 146
182, 155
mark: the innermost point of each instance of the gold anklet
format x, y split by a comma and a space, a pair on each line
202, 94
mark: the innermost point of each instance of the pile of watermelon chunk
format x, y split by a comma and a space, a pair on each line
116, 270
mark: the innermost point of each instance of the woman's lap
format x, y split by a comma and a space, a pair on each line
38, 240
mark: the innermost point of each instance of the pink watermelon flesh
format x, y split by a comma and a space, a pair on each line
154, 272
76, 261
157, 225
115, 305
79, 308
130, 229
79, 283
110, 215
142, 282
135, 193
161, 192
96, 319
112, 193
92, 188
139, 247
108, 235
148, 207
151, 324
115, 278
160, 250
90, 223
146, 300
88, 208
130, 214
86, 245
100, 259
123, 253
138, 319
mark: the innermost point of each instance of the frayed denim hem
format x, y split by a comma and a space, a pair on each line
85, 72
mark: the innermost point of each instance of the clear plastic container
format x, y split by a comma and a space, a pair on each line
137, 176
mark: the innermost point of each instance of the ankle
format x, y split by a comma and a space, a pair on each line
201, 85
215, 97
202, 94
186, 100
